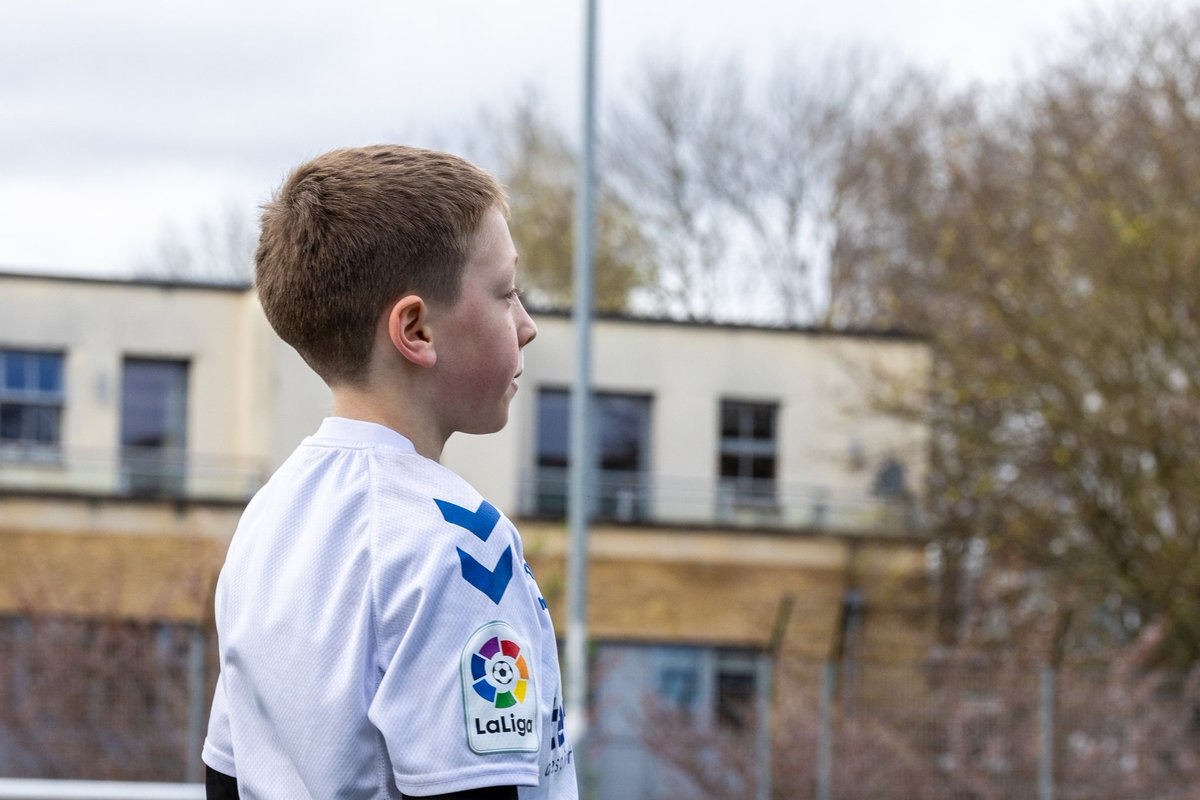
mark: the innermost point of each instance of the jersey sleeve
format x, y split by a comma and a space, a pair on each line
457, 700
218, 743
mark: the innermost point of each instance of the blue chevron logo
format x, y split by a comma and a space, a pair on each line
480, 522
492, 582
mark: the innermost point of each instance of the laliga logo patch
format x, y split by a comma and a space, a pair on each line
500, 673
499, 694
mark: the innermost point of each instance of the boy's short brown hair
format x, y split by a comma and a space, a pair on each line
353, 230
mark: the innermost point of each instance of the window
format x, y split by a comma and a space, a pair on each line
153, 426
621, 431
553, 444
31, 398
679, 679
890, 482
736, 683
890, 487
711, 686
677, 686
748, 451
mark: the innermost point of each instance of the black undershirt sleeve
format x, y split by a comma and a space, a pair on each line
487, 793
219, 786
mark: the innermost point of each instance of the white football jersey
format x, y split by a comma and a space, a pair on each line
380, 632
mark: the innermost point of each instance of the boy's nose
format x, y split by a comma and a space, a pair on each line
528, 328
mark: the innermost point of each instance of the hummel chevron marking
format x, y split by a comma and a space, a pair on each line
479, 522
492, 582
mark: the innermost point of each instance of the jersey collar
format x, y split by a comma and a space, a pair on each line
343, 429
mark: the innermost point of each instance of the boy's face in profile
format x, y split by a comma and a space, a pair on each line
479, 338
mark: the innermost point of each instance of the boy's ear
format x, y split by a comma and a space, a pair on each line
409, 331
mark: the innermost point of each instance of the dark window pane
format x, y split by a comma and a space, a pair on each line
730, 426
49, 373
622, 428
153, 403
14, 370
763, 417
10, 422
553, 428
890, 480
735, 698
45, 424
553, 457
154, 426
677, 686
762, 468
729, 466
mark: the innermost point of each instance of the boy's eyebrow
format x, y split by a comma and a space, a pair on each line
509, 276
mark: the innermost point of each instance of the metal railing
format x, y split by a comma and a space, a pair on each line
144, 472
633, 497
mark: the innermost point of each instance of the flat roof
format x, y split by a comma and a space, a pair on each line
547, 311
150, 283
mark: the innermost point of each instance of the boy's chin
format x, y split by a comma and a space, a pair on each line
479, 427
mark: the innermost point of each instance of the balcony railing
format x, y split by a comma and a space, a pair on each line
631, 497
173, 473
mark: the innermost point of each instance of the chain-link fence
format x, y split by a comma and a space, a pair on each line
126, 700
950, 729
102, 699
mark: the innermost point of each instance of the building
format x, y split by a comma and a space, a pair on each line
739, 471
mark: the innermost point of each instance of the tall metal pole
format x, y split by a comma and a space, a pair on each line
578, 502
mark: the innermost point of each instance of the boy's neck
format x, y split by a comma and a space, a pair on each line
403, 418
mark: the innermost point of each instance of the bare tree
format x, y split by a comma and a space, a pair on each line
734, 177
218, 249
539, 166
1048, 239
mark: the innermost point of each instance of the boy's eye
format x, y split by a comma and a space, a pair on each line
514, 293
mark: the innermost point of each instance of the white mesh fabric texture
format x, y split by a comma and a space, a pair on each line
344, 608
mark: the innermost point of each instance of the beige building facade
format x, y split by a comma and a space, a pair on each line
247, 399
736, 469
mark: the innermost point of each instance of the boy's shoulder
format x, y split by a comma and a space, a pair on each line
358, 488
402, 484
350, 463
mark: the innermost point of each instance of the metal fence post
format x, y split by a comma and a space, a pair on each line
1046, 686
196, 722
762, 785
825, 734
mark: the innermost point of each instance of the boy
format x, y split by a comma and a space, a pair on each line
380, 634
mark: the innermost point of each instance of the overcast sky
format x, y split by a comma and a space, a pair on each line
121, 118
